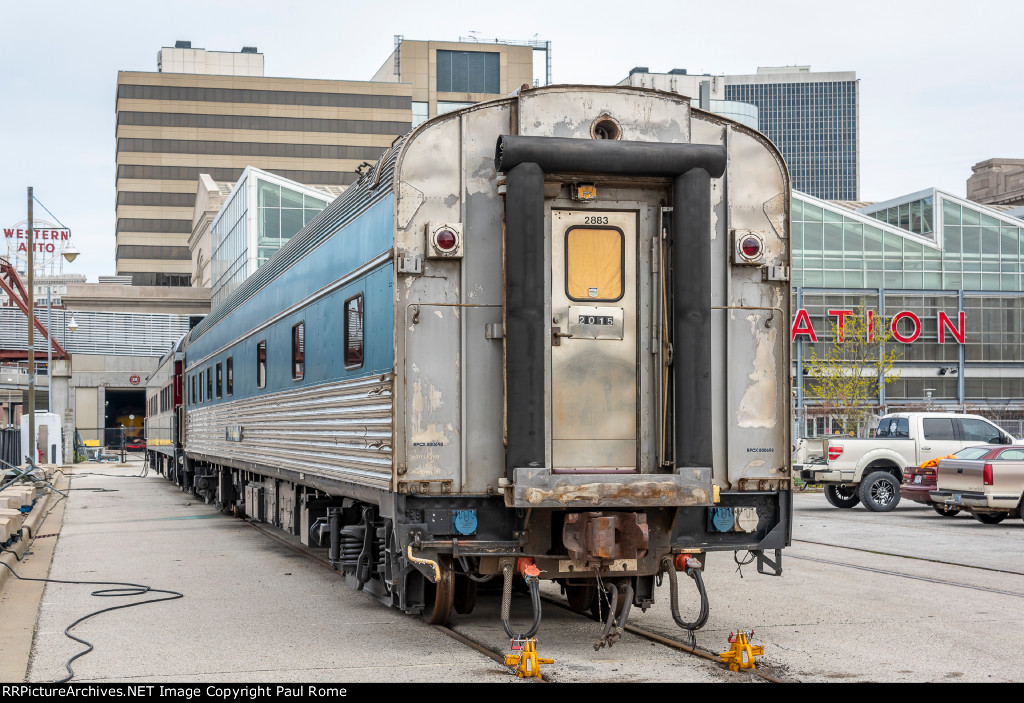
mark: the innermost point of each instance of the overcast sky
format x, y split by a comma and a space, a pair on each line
940, 82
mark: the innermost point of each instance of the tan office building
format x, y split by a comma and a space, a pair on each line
446, 76
173, 126
215, 113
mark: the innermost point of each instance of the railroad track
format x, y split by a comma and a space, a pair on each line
500, 658
914, 577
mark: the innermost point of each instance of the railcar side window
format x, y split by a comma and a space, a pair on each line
261, 364
354, 332
200, 386
209, 383
230, 371
220, 381
193, 389
298, 351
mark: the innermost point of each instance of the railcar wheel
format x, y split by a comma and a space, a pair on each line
439, 597
464, 596
580, 596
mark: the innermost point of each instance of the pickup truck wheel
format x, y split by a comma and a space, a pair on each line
944, 512
880, 492
841, 496
990, 518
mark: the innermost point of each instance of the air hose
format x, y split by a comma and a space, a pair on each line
693, 572
506, 603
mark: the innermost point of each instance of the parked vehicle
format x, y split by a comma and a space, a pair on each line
870, 470
989, 484
919, 481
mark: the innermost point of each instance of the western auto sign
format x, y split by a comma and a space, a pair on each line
905, 326
48, 241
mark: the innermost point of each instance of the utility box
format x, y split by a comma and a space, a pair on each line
48, 439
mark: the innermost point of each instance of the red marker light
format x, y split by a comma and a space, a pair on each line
751, 248
446, 240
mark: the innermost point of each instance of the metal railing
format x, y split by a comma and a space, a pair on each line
108, 443
10, 446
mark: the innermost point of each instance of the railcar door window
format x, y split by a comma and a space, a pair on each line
354, 332
298, 351
209, 383
261, 364
230, 371
220, 381
594, 263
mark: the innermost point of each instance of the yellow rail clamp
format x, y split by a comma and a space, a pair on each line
741, 654
527, 663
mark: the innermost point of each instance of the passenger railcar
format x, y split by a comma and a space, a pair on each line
164, 410
542, 337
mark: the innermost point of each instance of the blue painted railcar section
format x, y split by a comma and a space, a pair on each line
362, 240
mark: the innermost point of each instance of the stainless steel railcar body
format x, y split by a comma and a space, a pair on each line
163, 411
587, 360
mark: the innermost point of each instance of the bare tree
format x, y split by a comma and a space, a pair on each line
853, 362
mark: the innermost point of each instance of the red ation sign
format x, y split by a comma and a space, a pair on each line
802, 325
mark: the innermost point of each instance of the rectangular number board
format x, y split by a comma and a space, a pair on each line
594, 322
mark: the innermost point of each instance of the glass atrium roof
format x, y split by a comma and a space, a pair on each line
929, 240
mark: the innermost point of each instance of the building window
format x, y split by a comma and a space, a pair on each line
354, 332
220, 381
298, 351
229, 370
444, 106
261, 364
282, 212
468, 72
419, 113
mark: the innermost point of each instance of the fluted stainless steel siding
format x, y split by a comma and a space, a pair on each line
340, 430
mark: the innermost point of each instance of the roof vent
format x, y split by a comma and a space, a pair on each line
249, 50
677, 72
180, 44
639, 69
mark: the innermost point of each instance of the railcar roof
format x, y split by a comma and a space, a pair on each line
373, 186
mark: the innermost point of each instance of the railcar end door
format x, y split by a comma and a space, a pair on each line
594, 341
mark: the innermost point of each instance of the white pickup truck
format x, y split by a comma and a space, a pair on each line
870, 470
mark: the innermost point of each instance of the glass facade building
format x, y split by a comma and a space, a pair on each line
952, 256
262, 213
813, 119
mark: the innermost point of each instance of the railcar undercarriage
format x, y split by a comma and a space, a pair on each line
428, 555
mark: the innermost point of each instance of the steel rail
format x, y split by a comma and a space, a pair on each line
886, 572
913, 558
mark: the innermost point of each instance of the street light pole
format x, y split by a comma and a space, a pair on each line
49, 356
31, 348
